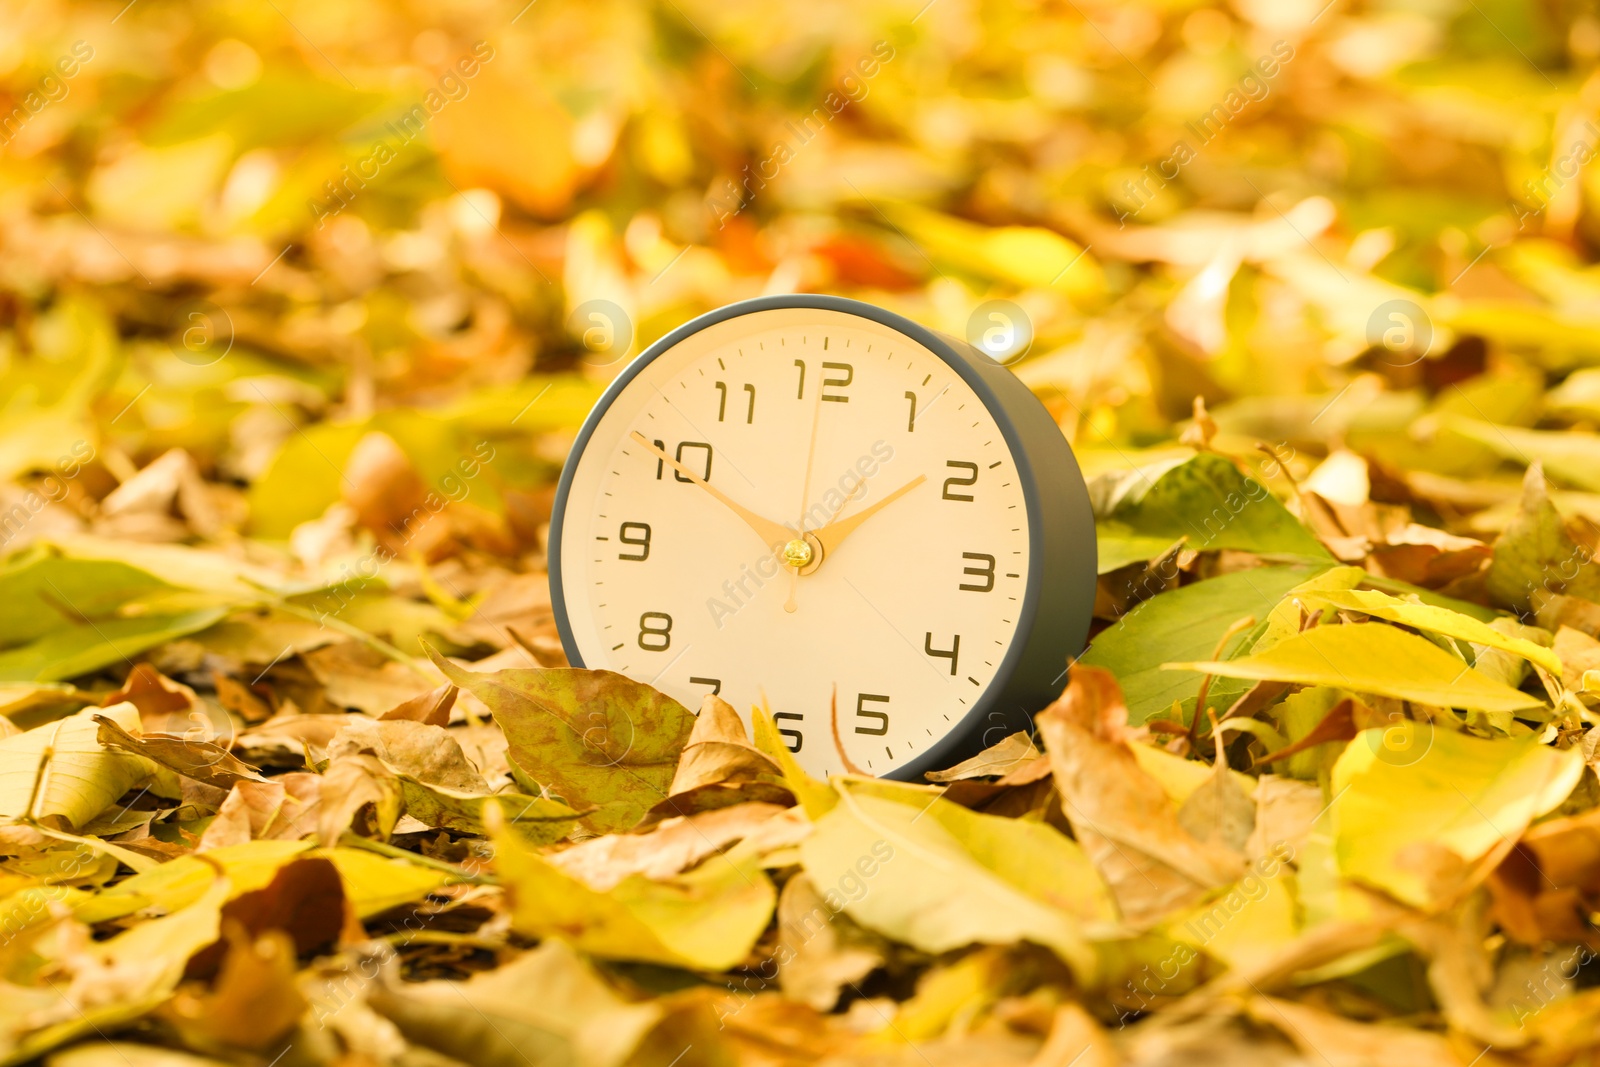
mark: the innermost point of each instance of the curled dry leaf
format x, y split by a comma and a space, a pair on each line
62, 773
669, 848
720, 766
708, 917
821, 951
203, 760
1128, 826
1004, 758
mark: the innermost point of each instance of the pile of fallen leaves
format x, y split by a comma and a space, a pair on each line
1377, 843
297, 325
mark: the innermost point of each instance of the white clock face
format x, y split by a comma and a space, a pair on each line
909, 613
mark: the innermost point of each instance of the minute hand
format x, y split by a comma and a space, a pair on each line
833, 534
770, 532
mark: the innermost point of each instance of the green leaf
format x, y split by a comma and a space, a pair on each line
594, 738
1535, 555
1414, 802
1186, 623
79, 650
706, 918
308, 473
1117, 546
918, 869
1372, 658
1571, 456
1435, 620
285, 107
46, 592
533, 405
1209, 501
538, 819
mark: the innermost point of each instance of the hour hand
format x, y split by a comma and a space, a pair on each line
772, 534
831, 535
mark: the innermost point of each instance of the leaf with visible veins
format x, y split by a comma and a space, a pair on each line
593, 738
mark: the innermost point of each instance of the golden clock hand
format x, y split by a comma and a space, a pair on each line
772, 535
833, 534
802, 549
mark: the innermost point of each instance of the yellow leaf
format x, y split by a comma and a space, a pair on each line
77, 777
1372, 658
1435, 620
707, 918
937, 876
373, 884
182, 881
1409, 817
814, 796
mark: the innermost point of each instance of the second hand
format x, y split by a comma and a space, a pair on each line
790, 605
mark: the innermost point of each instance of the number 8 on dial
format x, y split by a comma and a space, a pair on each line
813, 500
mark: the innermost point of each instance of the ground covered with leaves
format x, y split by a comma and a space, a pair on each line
297, 324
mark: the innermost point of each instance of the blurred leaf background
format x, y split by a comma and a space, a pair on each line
256, 230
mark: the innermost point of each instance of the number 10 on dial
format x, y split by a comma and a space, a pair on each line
808, 499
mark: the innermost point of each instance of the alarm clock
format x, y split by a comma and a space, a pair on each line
812, 504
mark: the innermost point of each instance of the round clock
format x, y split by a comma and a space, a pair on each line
812, 502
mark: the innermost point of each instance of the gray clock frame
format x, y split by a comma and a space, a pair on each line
1059, 597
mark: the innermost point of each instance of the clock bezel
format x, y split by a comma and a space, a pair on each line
1057, 602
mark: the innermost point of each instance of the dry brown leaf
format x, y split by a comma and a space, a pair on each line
432, 708
1001, 759
254, 1003
1340, 1042
672, 846
1121, 815
204, 761
283, 809
820, 951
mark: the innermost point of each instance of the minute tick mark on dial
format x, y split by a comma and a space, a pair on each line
995, 464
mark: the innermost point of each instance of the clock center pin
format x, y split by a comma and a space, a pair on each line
798, 553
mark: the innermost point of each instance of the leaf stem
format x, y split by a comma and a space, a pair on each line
351, 840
